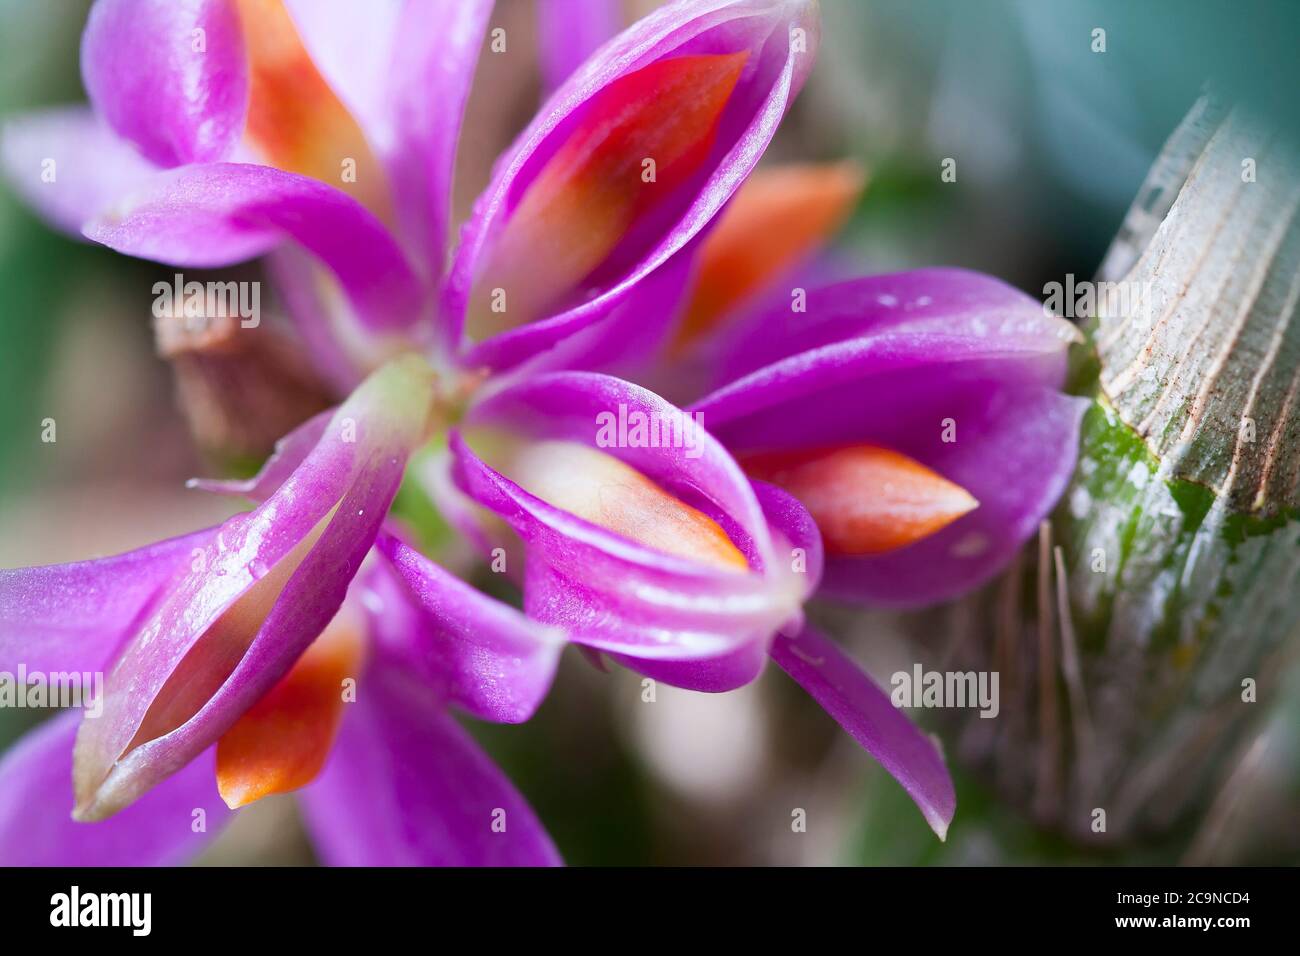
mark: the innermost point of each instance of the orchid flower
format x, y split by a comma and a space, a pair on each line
212, 135
276, 138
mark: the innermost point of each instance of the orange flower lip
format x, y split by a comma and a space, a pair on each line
638, 139
281, 742
866, 500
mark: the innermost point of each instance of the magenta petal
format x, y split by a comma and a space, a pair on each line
571, 406
794, 534
352, 47
614, 595
865, 328
167, 827
73, 617
773, 76
600, 337
987, 313
569, 31
289, 454
472, 650
434, 56
68, 166
168, 75
404, 71
795, 538
342, 492
607, 591
405, 785
214, 215
866, 712
709, 675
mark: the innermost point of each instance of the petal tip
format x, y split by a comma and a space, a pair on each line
237, 797
939, 825
91, 812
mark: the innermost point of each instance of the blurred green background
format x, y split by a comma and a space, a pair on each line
1051, 141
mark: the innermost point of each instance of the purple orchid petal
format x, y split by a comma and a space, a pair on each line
867, 713
68, 166
353, 50
981, 309
433, 63
796, 535
289, 454
609, 593
406, 786
606, 590
779, 60
320, 523
585, 407
323, 321
404, 71
207, 216
167, 827
73, 617
716, 674
168, 75
570, 31
474, 651
956, 370
621, 336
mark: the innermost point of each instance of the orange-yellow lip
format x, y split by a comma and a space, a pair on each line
865, 499
282, 742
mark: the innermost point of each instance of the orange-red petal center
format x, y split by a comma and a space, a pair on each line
636, 141
865, 499
281, 743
